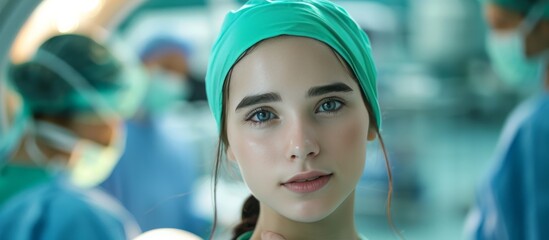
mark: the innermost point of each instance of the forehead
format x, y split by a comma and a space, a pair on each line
500, 18
285, 64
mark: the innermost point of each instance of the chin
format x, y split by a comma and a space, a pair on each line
307, 212
306, 218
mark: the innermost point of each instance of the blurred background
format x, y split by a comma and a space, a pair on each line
442, 104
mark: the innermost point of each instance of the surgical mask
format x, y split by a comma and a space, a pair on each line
89, 163
165, 90
10, 136
507, 52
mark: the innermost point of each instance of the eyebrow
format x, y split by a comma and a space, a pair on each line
321, 90
259, 98
275, 97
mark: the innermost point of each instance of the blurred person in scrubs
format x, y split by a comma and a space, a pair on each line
67, 137
513, 201
167, 57
155, 177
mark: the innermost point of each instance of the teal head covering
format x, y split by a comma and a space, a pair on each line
317, 19
523, 6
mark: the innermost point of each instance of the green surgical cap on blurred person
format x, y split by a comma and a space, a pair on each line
317, 19
46, 90
522, 6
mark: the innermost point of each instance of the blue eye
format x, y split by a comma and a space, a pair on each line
330, 105
260, 116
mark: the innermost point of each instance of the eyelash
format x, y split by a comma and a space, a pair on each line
331, 99
253, 114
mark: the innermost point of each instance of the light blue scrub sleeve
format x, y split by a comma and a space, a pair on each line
54, 211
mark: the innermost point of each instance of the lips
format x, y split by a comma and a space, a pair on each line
307, 182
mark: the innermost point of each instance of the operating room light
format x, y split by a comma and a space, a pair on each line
68, 14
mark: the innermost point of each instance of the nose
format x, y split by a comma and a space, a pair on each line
302, 142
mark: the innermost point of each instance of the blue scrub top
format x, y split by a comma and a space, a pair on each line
56, 210
155, 176
513, 203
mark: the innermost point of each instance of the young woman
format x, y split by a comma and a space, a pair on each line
292, 86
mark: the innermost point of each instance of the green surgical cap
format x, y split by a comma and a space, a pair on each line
317, 19
46, 91
523, 6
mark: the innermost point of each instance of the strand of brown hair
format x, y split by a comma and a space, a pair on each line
214, 194
390, 190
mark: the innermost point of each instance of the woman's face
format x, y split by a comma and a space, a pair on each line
297, 126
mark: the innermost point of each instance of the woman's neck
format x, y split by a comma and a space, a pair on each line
338, 225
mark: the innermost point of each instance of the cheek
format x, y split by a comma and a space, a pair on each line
353, 134
349, 137
257, 161
253, 151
